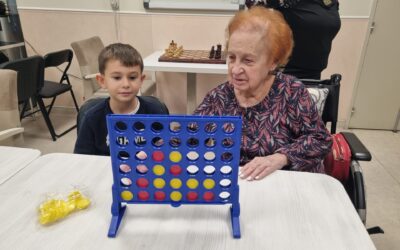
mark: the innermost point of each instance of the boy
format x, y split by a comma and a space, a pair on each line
121, 73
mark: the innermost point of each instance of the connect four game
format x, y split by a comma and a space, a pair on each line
175, 160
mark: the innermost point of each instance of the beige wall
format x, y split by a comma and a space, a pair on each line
345, 59
49, 30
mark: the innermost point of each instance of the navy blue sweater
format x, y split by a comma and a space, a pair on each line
93, 136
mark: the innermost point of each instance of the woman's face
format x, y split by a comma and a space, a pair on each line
248, 61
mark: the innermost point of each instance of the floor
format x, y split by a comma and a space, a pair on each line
382, 174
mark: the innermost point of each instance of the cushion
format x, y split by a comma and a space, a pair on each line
319, 96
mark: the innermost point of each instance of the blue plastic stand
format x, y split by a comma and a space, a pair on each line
175, 160
235, 213
117, 211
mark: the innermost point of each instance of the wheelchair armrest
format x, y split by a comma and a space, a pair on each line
357, 190
358, 151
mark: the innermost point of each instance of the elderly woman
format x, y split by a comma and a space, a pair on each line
280, 123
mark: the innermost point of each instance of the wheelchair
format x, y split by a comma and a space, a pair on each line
354, 184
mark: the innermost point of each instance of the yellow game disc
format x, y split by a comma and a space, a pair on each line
175, 196
158, 183
175, 183
127, 195
209, 183
192, 183
175, 156
158, 170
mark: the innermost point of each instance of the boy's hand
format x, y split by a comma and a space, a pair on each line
260, 167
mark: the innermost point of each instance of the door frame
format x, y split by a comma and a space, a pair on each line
362, 62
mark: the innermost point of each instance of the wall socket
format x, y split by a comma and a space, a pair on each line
114, 5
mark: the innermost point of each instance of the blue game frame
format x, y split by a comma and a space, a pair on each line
163, 138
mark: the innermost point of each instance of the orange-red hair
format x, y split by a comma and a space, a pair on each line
277, 35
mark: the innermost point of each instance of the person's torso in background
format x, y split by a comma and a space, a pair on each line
314, 26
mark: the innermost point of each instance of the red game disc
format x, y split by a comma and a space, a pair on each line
208, 196
143, 195
158, 156
159, 195
142, 182
175, 170
192, 196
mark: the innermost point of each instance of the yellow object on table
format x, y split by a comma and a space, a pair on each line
52, 210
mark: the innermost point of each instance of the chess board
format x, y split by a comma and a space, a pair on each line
175, 160
194, 56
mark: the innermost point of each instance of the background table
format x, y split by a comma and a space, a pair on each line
151, 63
287, 210
13, 159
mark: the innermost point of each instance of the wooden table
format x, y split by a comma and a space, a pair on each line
13, 159
151, 63
287, 210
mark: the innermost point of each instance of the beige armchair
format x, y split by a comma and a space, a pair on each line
87, 52
11, 132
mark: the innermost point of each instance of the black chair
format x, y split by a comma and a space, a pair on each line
330, 112
29, 80
52, 89
354, 185
32, 87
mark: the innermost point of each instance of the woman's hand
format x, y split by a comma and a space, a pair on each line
260, 167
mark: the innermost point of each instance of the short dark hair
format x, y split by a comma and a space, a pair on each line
125, 53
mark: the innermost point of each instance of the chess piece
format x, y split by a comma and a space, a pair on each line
261, 3
178, 52
173, 45
173, 50
250, 3
218, 52
212, 53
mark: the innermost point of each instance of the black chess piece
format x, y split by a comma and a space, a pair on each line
218, 52
212, 53
261, 3
250, 3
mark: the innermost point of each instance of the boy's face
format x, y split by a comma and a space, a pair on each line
122, 82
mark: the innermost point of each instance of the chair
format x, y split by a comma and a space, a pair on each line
354, 184
330, 106
11, 132
29, 80
52, 89
30, 86
87, 52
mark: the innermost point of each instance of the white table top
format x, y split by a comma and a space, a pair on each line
151, 63
13, 159
287, 210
